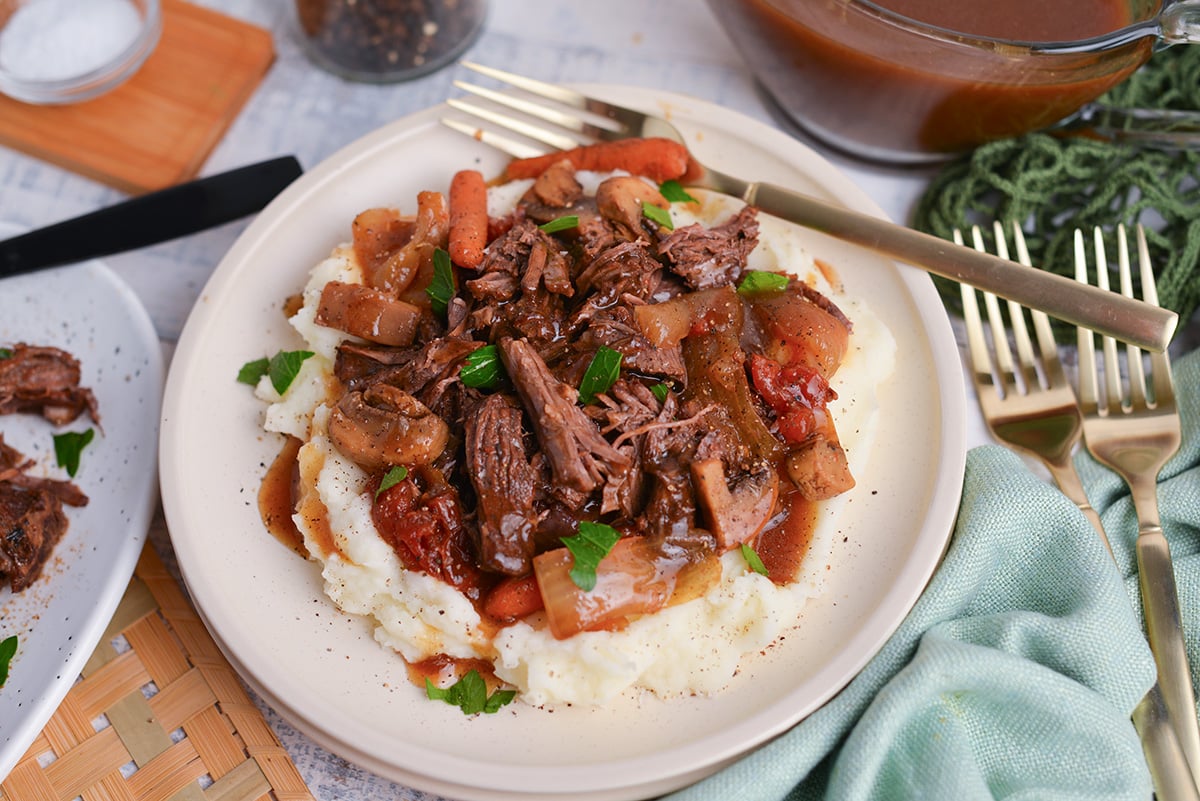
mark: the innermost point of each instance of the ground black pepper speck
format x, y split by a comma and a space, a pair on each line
381, 37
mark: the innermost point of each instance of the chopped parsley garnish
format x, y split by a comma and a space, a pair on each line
391, 478
5, 353
252, 371
283, 368
560, 224
483, 368
660, 216
69, 446
661, 391
601, 374
762, 281
8, 649
674, 192
470, 695
442, 287
753, 560
589, 546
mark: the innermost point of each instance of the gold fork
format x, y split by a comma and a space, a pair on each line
1037, 415
1134, 429
1040, 416
1125, 318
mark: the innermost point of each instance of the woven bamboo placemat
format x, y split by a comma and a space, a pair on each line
157, 714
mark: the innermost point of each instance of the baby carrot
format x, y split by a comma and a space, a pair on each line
655, 158
513, 598
468, 219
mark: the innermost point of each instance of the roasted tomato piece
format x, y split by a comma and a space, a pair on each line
797, 393
426, 531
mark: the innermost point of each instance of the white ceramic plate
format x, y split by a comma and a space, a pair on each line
89, 312
322, 669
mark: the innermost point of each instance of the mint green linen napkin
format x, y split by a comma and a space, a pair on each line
1015, 674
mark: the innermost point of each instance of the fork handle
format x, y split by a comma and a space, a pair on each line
1169, 768
1129, 320
1062, 470
1164, 630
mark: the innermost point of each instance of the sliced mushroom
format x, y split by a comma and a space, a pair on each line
557, 187
735, 516
819, 469
620, 199
383, 426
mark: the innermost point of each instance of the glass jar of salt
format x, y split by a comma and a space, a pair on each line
381, 41
63, 51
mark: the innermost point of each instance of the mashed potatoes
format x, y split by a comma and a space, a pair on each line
686, 648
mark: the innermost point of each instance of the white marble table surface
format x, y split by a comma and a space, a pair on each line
674, 45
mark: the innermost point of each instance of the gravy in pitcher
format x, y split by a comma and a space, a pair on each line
869, 85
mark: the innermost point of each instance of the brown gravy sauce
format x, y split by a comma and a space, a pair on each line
277, 497
280, 496
782, 546
444, 670
845, 75
1021, 20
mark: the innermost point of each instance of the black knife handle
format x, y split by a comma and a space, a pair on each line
151, 218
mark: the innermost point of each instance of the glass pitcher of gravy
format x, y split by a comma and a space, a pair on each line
912, 81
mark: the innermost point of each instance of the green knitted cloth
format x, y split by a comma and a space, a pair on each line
1053, 185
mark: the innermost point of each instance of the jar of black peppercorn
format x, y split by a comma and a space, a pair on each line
387, 40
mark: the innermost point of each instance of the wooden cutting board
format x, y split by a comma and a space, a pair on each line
158, 127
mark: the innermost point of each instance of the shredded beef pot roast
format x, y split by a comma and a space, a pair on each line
716, 418
32, 520
44, 380
41, 380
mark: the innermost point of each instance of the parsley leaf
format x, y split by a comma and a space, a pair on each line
497, 700
762, 281
252, 371
560, 224
660, 216
391, 478
68, 446
8, 648
661, 391
470, 695
5, 353
753, 560
674, 192
483, 368
285, 366
589, 546
442, 287
601, 374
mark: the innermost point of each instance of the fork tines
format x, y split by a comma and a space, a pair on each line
1139, 395
603, 121
1028, 372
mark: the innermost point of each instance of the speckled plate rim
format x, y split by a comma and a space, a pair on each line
259, 602
89, 311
